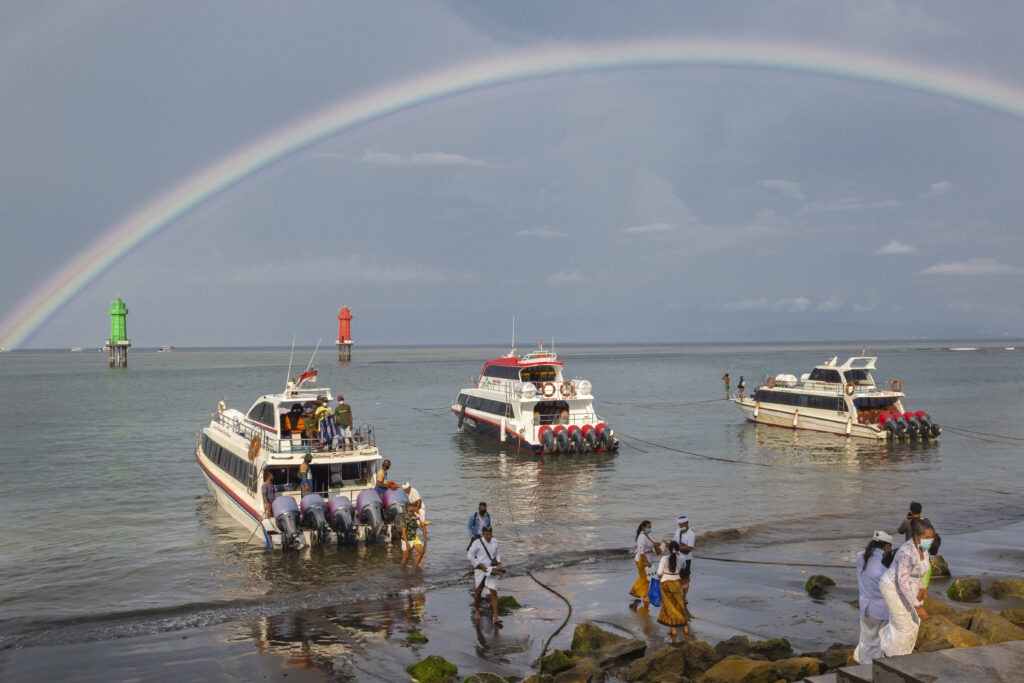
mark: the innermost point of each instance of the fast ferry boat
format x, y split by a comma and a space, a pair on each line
236, 449
528, 402
839, 399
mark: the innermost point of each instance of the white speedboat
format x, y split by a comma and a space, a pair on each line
164, 349
839, 399
236, 449
528, 402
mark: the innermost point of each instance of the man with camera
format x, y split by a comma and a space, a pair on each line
486, 560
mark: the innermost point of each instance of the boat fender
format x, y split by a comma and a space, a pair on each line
770, 382
851, 388
849, 425
757, 409
254, 447
896, 385
567, 389
796, 418
549, 389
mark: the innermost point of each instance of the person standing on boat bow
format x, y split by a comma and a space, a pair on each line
740, 387
343, 418
725, 378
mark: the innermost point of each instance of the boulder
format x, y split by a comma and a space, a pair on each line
798, 668
1004, 589
967, 589
939, 633
433, 669
939, 566
507, 603
484, 677
835, 657
621, 653
740, 670
775, 648
589, 637
555, 662
993, 627
585, 671
699, 656
737, 645
666, 664
934, 608
1014, 616
417, 638
817, 584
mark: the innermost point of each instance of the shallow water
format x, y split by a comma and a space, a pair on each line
113, 533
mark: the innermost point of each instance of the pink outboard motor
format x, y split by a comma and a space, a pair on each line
286, 517
395, 503
370, 511
927, 425
314, 517
340, 516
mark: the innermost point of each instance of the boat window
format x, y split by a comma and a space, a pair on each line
237, 467
501, 372
789, 398
825, 375
857, 376
538, 374
263, 412
488, 406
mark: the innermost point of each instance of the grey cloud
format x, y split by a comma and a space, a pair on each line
786, 188
975, 266
896, 247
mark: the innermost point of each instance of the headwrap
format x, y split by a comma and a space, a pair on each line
682, 519
881, 536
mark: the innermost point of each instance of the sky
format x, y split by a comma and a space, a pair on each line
510, 160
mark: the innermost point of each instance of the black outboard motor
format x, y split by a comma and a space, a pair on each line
370, 509
561, 439
927, 425
901, 426
888, 423
314, 517
547, 440
913, 425
340, 517
604, 437
589, 439
286, 516
576, 442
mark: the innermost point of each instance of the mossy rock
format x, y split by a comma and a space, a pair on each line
736, 669
433, 669
507, 603
817, 584
417, 638
699, 656
967, 589
737, 645
940, 568
555, 662
798, 668
1014, 615
484, 677
1004, 589
775, 648
589, 637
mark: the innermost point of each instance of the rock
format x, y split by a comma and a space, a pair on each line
993, 627
737, 645
417, 638
699, 656
1004, 589
433, 669
555, 661
621, 653
775, 648
798, 668
939, 566
586, 671
817, 584
740, 670
484, 677
934, 608
967, 589
835, 657
666, 664
939, 633
589, 637
507, 603
544, 678
1014, 616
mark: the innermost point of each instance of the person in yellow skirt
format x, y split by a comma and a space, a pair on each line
644, 547
673, 609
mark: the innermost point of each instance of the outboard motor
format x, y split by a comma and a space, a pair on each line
395, 502
901, 425
913, 425
927, 425
286, 517
604, 437
561, 439
370, 510
886, 422
576, 443
314, 517
547, 439
340, 517
589, 438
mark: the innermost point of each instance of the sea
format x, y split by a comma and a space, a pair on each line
110, 533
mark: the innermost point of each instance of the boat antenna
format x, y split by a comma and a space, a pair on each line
312, 358
287, 377
513, 351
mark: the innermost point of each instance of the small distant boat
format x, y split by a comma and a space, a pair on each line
162, 349
76, 349
838, 399
963, 348
4, 349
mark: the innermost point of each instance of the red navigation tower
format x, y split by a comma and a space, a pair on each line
344, 340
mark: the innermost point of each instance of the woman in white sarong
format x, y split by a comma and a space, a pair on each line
871, 567
901, 589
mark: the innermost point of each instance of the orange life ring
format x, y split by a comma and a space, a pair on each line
567, 389
770, 382
254, 447
549, 389
851, 388
896, 385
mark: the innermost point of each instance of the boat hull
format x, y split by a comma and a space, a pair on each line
789, 417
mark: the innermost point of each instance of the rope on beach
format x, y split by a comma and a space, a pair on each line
544, 650
696, 455
781, 564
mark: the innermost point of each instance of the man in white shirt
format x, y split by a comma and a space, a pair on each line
686, 539
415, 502
484, 556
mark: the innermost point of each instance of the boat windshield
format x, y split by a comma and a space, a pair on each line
858, 376
824, 375
538, 374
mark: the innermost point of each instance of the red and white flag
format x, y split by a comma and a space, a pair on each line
305, 377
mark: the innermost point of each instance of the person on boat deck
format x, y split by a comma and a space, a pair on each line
740, 387
292, 422
310, 430
478, 520
343, 418
415, 503
323, 411
267, 492
306, 474
644, 547
411, 526
382, 477
686, 539
483, 554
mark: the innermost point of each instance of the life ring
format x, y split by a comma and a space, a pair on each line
851, 388
567, 389
896, 385
770, 382
254, 447
549, 389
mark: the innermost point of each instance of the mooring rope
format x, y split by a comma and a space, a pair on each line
780, 564
971, 434
696, 455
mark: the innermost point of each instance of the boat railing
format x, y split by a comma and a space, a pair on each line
362, 437
566, 419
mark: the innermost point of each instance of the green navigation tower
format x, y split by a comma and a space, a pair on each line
119, 343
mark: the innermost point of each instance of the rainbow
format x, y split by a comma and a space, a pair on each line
465, 78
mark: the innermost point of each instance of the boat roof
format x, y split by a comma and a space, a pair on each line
852, 363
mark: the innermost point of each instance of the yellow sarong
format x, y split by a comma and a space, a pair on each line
673, 612
640, 588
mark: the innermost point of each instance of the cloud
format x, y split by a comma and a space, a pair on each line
799, 304
786, 188
649, 228
848, 204
570, 278
896, 247
542, 232
833, 303
938, 189
418, 159
974, 266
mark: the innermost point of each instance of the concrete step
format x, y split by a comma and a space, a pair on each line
1002, 663
830, 677
861, 673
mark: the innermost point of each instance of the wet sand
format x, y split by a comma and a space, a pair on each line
367, 642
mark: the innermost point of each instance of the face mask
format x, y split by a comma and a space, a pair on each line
925, 543
647, 531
